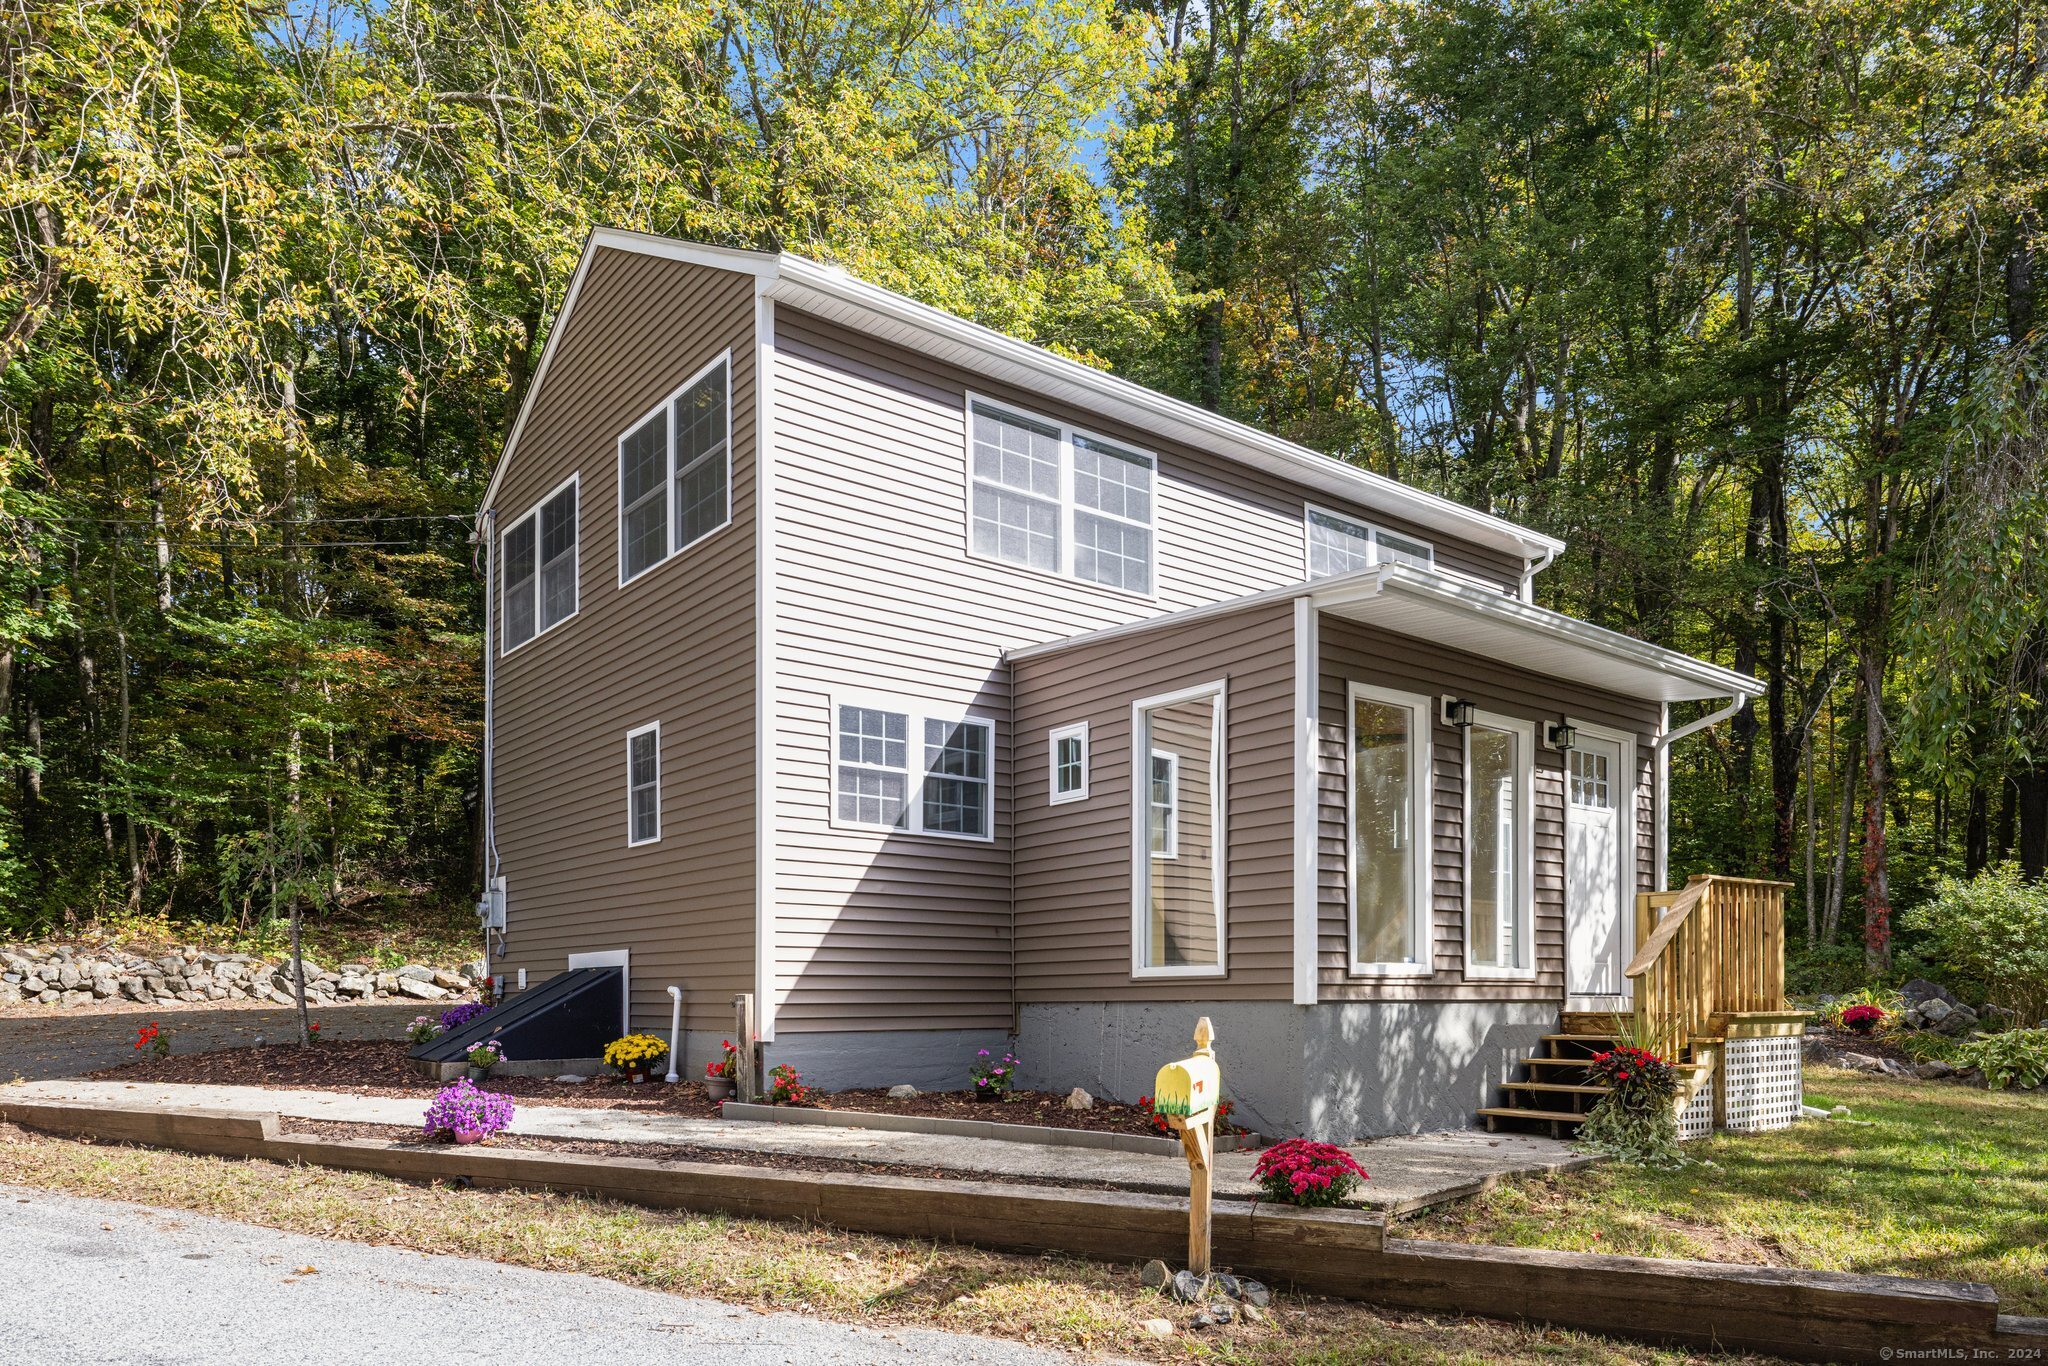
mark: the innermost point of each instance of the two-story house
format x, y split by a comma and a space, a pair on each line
945, 693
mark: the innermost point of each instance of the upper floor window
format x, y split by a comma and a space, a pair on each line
897, 768
675, 472
1047, 497
539, 574
1338, 544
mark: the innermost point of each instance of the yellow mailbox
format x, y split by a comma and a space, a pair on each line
1187, 1090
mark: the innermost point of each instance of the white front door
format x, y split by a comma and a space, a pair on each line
1598, 792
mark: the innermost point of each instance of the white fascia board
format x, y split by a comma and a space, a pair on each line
761, 265
829, 290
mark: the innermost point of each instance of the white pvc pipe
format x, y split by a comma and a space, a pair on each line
675, 1033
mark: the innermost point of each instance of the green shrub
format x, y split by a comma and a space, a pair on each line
1992, 928
1921, 1045
2016, 1058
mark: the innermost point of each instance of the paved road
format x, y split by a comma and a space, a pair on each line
123, 1283
36, 1045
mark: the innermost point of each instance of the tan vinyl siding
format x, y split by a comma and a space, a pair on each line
1074, 920
1355, 652
676, 645
875, 592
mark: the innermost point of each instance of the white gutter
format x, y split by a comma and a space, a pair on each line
1531, 568
1661, 747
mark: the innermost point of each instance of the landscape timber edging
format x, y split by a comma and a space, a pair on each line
1814, 1315
1002, 1131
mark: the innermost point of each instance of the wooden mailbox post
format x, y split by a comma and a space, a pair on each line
1184, 1094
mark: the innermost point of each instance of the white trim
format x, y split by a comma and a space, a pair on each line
1524, 940
1373, 531
1141, 833
915, 772
1068, 433
653, 727
1626, 813
1075, 730
767, 726
673, 519
1421, 834
1171, 825
1307, 808
621, 959
575, 481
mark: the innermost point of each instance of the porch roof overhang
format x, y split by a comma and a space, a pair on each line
1462, 615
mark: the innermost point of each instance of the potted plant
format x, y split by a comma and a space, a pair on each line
1863, 1019
721, 1078
1635, 1122
1300, 1171
423, 1029
463, 1114
635, 1055
993, 1077
482, 1057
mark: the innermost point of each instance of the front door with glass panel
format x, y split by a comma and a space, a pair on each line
1596, 909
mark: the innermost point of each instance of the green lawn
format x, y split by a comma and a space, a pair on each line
1946, 1181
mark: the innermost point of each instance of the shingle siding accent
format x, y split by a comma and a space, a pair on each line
1351, 652
675, 645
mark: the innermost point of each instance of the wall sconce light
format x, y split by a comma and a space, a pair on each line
1560, 735
1458, 712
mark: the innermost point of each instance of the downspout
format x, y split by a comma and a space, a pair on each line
493, 864
1531, 568
1661, 748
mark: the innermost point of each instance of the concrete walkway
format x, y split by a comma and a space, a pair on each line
1406, 1173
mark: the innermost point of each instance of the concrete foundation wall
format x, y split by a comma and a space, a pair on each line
929, 1059
1333, 1072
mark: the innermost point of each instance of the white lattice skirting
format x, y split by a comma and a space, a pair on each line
1761, 1086
1696, 1120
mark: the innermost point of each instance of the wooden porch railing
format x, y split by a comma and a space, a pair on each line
1713, 950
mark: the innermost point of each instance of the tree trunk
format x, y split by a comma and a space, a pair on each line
1877, 904
1977, 830
2030, 787
1812, 906
1838, 878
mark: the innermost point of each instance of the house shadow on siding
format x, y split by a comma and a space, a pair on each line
1413, 1066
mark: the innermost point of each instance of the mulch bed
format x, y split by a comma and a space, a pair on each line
382, 1069
1849, 1041
677, 1152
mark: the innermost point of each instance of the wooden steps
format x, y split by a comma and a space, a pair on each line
1554, 1090
1556, 1119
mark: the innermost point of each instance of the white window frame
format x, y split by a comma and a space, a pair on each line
532, 514
1141, 831
1372, 531
1523, 965
915, 771
666, 410
1422, 823
1172, 823
1078, 730
654, 728
1067, 433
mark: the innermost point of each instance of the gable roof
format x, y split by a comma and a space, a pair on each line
832, 293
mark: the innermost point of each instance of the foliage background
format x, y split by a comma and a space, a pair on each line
1738, 296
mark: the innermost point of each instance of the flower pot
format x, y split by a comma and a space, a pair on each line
479, 1073
720, 1089
637, 1075
470, 1135
984, 1095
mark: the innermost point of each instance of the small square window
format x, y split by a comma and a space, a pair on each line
1068, 761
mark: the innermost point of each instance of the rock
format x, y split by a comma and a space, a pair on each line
1861, 1062
416, 972
1934, 1010
216, 993
450, 981
1077, 1099
1892, 1067
1973, 1076
103, 987
1911, 1018
1254, 1314
171, 965
237, 994
1933, 1069
571, 1078
474, 970
282, 998
10, 994
68, 977
1156, 1274
48, 996
419, 990
33, 985
1254, 1293
904, 1092
1186, 1287
352, 986
1221, 1311
229, 971
1998, 1016
1158, 1328
386, 982
77, 998
1920, 990
1958, 1022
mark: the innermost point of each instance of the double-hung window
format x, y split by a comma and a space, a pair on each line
1499, 844
675, 472
1178, 863
1338, 545
1060, 501
913, 770
643, 784
1389, 796
539, 567
1068, 762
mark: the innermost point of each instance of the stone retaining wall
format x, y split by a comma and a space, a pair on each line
70, 975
